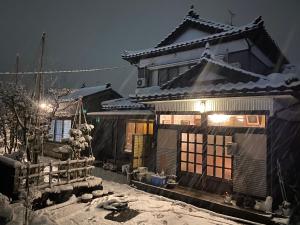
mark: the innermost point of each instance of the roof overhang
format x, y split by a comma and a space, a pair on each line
123, 113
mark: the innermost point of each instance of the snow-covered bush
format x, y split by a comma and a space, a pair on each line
80, 139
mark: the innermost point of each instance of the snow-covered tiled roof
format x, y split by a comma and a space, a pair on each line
83, 92
200, 21
257, 23
273, 83
122, 103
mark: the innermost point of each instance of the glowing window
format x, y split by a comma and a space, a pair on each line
186, 120
258, 121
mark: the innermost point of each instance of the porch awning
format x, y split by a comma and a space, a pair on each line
123, 113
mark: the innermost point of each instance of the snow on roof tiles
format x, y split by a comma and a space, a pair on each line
83, 92
122, 103
257, 23
276, 82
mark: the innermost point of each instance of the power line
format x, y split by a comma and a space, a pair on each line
64, 71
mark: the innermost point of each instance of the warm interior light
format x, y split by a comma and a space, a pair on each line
43, 105
219, 118
200, 106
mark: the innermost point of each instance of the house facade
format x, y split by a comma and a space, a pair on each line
220, 95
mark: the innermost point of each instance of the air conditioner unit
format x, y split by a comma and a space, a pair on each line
141, 82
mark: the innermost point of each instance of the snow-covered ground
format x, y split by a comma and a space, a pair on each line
152, 209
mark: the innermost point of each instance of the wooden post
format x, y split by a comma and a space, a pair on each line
50, 174
68, 171
38, 178
85, 168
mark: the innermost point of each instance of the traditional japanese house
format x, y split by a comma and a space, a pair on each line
124, 133
91, 98
226, 104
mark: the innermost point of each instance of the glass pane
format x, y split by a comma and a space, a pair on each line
228, 162
183, 136
198, 120
184, 119
237, 120
51, 132
183, 156
227, 174
199, 169
210, 160
219, 150
184, 147
199, 138
199, 158
150, 131
210, 139
162, 76
145, 128
183, 166
191, 137
219, 172
191, 157
139, 128
130, 130
191, 147
219, 161
210, 171
67, 127
199, 148
225, 150
219, 140
165, 119
228, 139
210, 149
58, 130
173, 72
191, 167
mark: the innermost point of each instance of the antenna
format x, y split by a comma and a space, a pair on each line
231, 14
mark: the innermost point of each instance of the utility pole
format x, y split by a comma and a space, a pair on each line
37, 96
17, 67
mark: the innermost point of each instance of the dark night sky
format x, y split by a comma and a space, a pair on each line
94, 33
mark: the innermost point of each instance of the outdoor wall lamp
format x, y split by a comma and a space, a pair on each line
200, 106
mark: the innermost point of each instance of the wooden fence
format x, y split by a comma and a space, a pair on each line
44, 175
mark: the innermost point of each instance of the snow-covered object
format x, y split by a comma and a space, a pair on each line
268, 204
86, 197
80, 139
97, 193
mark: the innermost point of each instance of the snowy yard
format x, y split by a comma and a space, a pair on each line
148, 209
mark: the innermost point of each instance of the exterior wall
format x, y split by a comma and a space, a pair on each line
249, 62
193, 54
218, 104
190, 34
250, 164
166, 156
92, 103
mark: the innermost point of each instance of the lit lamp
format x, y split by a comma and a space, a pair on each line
200, 106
